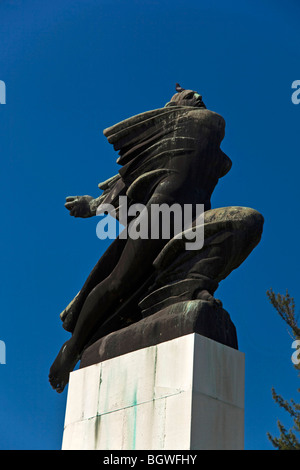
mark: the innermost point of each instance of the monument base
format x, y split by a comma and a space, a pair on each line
182, 394
180, 319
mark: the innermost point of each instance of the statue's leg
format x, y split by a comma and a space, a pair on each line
102, 269
130, 272
245, 226
230, 234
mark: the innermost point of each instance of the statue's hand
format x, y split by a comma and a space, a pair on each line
79, 206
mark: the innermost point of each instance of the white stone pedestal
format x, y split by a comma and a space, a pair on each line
183, 394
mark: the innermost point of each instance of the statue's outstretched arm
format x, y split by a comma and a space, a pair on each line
82, 206
86, 206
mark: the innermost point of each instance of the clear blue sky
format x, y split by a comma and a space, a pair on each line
73, 68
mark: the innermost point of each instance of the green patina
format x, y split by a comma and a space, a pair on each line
134, 404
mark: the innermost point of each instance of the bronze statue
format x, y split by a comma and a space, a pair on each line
169, 155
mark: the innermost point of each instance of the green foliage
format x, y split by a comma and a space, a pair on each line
288, 439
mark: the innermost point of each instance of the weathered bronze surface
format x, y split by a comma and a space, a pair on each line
143, 291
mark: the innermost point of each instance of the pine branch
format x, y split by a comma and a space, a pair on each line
291, 407
285, 306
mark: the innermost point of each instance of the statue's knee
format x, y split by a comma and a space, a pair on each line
243, 222
247, 232
245, 225
254, 222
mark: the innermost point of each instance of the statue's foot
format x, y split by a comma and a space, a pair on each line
64, 363
205, 295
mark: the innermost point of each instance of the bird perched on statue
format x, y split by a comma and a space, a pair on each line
178, 88
185, 97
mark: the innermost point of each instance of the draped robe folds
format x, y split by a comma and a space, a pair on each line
176, 141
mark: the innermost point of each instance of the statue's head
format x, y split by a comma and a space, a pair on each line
186, 98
